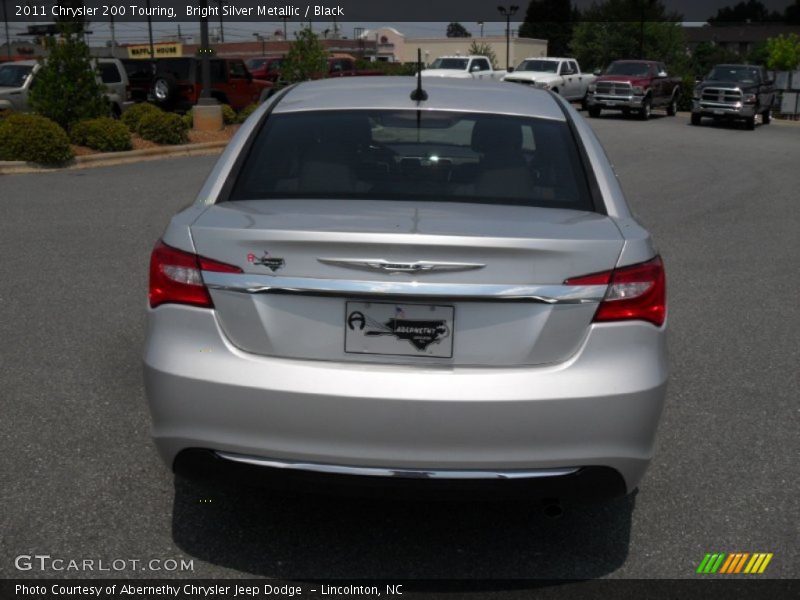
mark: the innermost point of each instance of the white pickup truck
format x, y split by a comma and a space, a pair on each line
463, 67
560, 75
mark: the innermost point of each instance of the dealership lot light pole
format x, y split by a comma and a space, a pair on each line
508, 13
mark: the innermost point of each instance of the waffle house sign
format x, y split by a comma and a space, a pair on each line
160, 50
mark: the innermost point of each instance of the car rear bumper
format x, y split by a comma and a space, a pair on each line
598, 409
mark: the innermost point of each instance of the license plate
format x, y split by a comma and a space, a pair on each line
398, 329
612, 103
719, 111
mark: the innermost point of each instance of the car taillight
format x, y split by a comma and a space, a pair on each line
637, 292
175, 277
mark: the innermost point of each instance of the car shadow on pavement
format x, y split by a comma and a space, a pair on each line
282, 536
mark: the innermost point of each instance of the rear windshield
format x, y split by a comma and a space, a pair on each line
180, 68
414, 155
540, 66
629, 68
459, 64
735, 74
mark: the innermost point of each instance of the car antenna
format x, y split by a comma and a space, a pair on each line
419, 95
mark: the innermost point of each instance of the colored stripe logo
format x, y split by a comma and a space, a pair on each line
734, 563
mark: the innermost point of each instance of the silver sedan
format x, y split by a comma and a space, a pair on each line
375, 284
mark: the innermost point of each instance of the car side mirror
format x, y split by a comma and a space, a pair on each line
597, 72
510, 69
474, 68
769, 82
662, 73
249, 77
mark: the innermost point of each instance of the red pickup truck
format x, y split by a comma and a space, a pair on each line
634, 86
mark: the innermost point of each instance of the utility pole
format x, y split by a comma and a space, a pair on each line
205, 59
150, 31
481, 24
113, 38
221, 28
508, 13
284, 28
8, 37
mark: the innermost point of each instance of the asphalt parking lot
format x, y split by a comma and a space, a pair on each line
80, 478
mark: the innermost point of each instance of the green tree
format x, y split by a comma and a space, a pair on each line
607, 32
752, 11
551, 20
456, 30
706, 55
67, 89
783, 52
305, 58
481, 49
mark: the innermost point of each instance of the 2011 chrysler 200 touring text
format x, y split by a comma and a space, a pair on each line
376, 285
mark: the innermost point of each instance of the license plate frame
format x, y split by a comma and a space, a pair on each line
399, 329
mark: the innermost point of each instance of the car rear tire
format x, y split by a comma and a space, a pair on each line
647, 107
697, 119
594, 111
766, 117
672, 107
585, 101
750, 123
164, 89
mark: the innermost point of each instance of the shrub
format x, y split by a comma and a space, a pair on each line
228, 114
246, 112
188, 118
33, 138
104, 134
133, 116
687, 89
67, 89
5, 113
163, 128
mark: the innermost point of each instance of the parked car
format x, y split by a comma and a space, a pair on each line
463, 67
636, 86
177, 83
266, 68
560, 75
17, 78
140, 77
734, 92
443, 289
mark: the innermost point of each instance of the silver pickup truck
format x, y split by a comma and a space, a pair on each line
17, 78
463, 67
560, 75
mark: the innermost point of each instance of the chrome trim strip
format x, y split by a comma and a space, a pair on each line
387, 266
268, 284
399, 473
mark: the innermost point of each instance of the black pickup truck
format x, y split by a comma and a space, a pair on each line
734, 92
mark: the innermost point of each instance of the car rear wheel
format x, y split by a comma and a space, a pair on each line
766, 117
697, 119
644, 112
585, 101
594, 111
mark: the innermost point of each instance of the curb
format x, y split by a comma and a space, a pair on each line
114, 158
